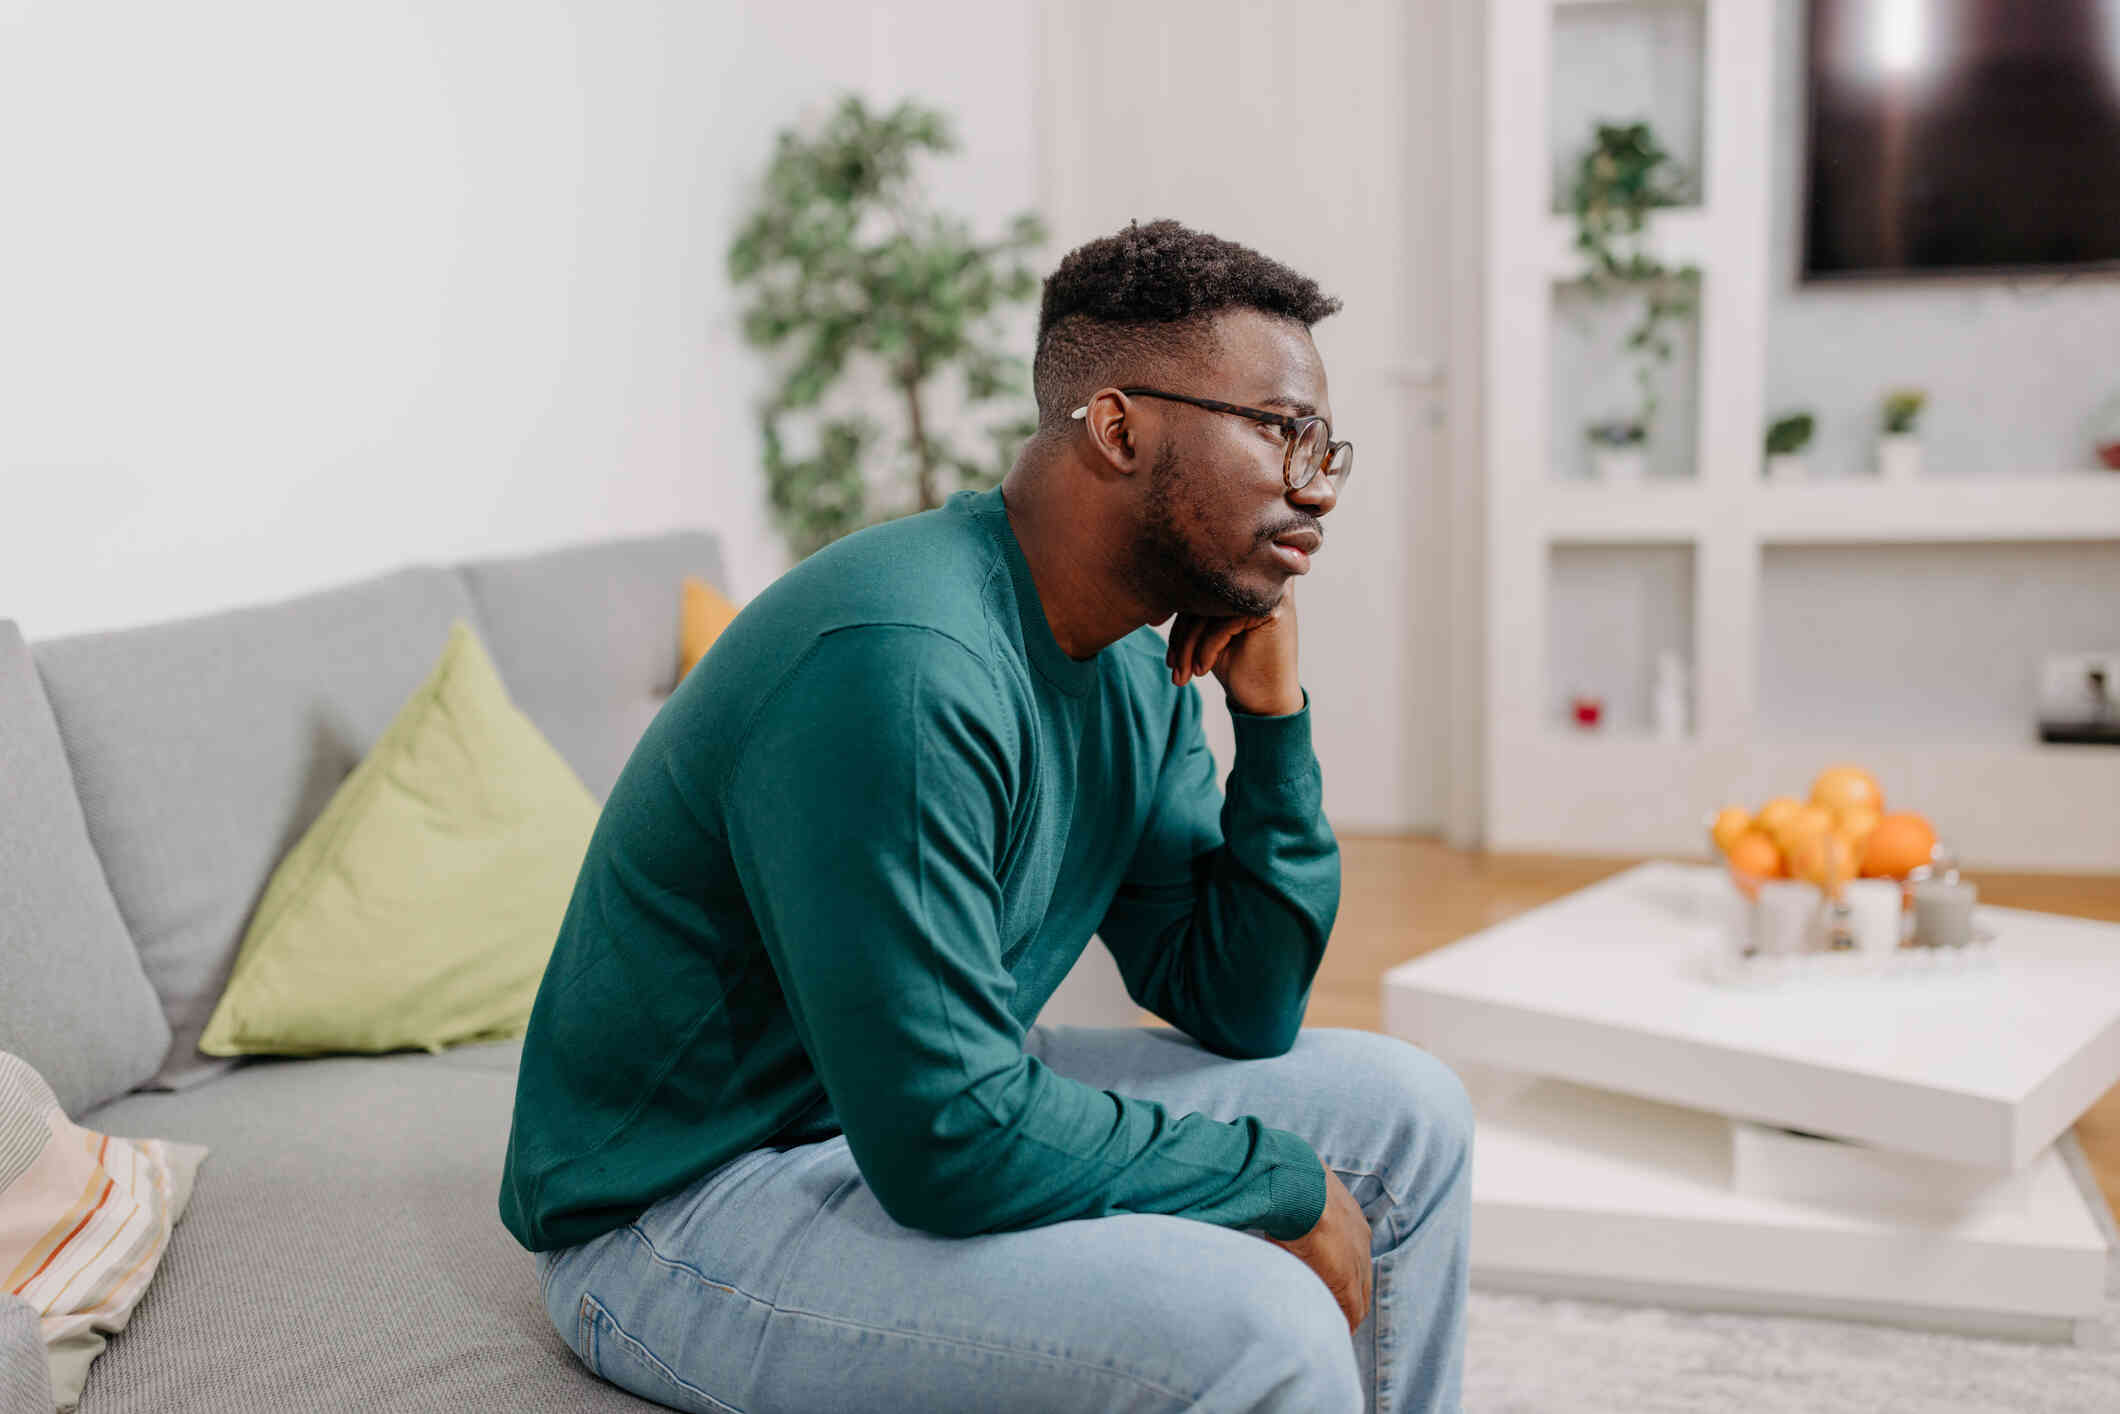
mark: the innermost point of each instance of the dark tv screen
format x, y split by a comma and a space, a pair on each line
1962, 136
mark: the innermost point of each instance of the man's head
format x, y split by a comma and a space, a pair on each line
1198, 494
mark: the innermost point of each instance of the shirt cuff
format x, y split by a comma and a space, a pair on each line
1295, 1185
1273, 748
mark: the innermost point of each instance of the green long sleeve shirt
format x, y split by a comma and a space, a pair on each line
852, 857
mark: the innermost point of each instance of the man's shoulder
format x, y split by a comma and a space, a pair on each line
926, 571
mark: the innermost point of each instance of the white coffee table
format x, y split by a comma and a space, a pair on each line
1634, 1107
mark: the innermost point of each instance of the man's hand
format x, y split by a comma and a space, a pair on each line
1253, 658
1337, 1249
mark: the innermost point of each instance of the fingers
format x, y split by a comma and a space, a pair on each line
1181, 635
1217, 638
1197, 644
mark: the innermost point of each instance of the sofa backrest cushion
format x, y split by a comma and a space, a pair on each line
586, 638
73, 1000
203, 748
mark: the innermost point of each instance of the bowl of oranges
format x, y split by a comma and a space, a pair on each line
1840, 832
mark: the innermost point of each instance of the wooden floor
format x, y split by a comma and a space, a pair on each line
1401, 896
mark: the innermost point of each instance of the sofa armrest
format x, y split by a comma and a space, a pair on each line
25, 1370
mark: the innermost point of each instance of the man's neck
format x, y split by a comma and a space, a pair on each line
1073, 564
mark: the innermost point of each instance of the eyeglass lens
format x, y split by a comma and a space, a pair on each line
1309, 455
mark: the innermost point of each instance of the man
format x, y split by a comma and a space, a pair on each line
786, 1135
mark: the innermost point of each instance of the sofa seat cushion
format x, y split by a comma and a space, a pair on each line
343, 1248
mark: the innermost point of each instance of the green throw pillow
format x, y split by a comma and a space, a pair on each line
421, 907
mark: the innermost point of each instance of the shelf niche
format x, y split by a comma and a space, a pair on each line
1925, 642
1610, 610
1594, 377
1626, 62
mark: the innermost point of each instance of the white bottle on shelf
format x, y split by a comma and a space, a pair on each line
1667, 701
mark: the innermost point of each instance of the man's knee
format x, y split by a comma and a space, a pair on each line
1419, 1097
1416, 1121
1437, 1094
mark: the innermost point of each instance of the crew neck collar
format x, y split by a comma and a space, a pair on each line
1069, 675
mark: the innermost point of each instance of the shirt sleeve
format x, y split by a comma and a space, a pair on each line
1222, 918
866, 811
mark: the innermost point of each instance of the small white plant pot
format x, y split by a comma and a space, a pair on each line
1618, 463
1788, 466
1899, 457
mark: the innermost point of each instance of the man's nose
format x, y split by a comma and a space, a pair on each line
1318, 494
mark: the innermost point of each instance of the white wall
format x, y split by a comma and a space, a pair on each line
296, 293
1302, 128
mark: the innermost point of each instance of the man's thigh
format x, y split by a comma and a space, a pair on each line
779, 1283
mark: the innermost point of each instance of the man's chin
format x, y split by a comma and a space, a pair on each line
1253, 604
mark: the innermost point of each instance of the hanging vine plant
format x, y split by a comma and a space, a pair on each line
847, 265
1623, 176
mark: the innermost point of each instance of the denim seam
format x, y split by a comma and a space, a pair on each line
604, 1317
1381, 1318
1009, 1350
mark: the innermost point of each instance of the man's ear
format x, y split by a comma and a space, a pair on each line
1108, 419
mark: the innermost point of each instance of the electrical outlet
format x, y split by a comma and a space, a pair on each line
2080, 687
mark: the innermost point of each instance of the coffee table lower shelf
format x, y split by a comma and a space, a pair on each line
1589, 1193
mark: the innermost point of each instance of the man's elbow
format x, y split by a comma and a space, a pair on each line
1264, 1039
922, 1206
932, 1188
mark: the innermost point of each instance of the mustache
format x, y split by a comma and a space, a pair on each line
1310, 525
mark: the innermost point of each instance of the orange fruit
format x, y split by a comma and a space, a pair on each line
1854, 825
1803, 823
1753, 857
1730, 822
1900, 844
1845, 787
1775, 813
1824, 859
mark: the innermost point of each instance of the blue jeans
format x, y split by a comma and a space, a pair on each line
777, 1285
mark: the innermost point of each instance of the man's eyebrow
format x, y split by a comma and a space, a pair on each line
1295, 405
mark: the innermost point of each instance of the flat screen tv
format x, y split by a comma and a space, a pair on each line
1957, 137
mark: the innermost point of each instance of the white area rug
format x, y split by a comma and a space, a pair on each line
1533, 1354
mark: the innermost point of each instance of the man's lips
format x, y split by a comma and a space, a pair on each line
1307, 541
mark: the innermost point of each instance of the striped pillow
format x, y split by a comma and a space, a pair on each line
84, 1220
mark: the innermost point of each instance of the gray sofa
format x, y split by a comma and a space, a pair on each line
342, 1248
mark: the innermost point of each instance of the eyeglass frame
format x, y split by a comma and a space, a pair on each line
1288, 421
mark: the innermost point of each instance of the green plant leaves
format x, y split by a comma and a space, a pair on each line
1626, 174
842, 262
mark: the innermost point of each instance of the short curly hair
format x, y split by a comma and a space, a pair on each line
1127, 305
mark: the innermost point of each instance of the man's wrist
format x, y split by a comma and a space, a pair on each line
1279, 705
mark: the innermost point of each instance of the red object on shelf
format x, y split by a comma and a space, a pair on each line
1588, 710
2109, 453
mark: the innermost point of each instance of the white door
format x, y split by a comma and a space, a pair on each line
1315, 132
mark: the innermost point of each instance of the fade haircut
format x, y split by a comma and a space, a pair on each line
1124, 308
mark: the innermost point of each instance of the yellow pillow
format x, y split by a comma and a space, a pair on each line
421, 907
704, 614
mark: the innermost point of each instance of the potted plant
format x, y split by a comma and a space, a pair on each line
1899, 448
875, 298
1623, 176
1787, 437
1617, 449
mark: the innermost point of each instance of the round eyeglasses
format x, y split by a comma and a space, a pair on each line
1307, 441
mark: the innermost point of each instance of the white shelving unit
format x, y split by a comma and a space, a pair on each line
1550, 787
